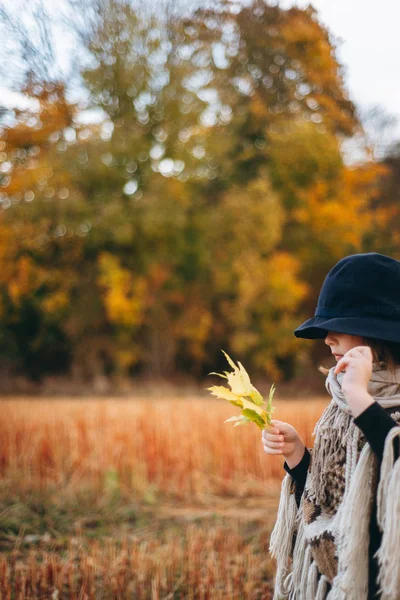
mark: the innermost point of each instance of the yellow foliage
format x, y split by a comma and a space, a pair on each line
27, 278
158, 274
244, 395
124, 295
285, 288
340, 220
254, 214
55, 113
8, 249
275, 296
194, 326
306, 41
55, 302
126, 357
21, 276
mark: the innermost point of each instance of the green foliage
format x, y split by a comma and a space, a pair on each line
112, 486
201, 210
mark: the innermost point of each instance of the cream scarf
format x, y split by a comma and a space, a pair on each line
329, 533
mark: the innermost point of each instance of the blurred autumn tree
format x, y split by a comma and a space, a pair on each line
200, 210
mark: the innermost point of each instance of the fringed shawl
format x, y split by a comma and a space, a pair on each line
321, 546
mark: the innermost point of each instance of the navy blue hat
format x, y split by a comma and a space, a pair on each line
360, 296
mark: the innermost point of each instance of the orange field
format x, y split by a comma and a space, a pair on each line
150, 498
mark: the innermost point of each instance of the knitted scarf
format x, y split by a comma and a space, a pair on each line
325, 540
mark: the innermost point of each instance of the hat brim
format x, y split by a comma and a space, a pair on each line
379, 328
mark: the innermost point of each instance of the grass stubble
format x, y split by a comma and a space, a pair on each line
141, 499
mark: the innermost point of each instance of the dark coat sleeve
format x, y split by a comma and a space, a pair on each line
299, 474
375, 423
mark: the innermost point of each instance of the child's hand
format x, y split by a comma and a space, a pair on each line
282, 438
357, 367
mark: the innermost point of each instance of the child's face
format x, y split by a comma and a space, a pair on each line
340, 343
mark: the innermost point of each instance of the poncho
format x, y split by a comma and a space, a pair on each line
325, 540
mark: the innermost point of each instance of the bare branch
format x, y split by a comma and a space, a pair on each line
31, 36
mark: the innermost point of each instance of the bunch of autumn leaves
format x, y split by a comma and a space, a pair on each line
244, 395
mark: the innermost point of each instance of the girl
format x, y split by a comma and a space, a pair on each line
337, 534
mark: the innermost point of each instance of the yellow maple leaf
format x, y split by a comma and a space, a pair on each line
244, 395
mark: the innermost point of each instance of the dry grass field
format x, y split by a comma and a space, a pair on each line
152, 498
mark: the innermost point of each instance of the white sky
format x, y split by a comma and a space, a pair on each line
369, 48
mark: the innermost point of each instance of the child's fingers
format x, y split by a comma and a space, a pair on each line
352, 357
344, 362
273, 437
274, 428
278, 427
363, 350
271, 444
276, 431
281, 425
272, 450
